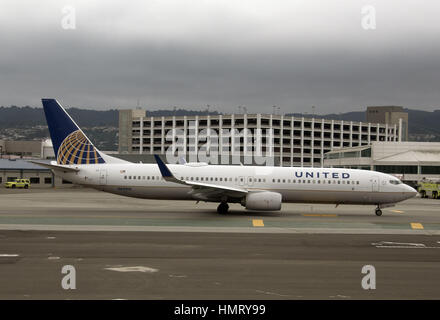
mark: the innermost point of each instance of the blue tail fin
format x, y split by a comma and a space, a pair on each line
70, 144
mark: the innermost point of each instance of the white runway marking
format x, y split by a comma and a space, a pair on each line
339, 296
133, 269
271, 293
9, 255
53, 258
401, 245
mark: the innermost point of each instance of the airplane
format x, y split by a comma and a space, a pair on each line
261, 188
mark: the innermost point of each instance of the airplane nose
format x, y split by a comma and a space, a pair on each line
410, 192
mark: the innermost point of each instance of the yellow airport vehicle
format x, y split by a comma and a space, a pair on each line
429, 189
18, 183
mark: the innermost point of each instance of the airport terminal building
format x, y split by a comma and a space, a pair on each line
409, 161
39, 177
296, 141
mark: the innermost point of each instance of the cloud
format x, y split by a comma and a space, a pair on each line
293, 54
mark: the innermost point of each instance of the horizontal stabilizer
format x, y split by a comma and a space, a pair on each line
55, 166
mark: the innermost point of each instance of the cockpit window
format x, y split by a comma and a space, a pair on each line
395, 181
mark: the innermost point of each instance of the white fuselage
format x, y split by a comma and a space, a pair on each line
300, 185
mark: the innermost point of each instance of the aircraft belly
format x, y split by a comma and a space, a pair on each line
149, 192
336, 197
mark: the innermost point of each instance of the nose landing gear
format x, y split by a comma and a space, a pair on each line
223, 208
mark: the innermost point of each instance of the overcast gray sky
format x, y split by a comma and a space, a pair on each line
190, 53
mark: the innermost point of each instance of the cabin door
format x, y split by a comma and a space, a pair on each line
375, 184
102, 177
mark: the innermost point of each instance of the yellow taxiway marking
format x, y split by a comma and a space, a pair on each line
257, 223
320, 215
397, 211
416, 225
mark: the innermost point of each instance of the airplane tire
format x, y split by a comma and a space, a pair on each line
378, 212
223, 208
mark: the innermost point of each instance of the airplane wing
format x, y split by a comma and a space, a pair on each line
200, 190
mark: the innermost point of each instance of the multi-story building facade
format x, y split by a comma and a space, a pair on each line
391, 115
296, 141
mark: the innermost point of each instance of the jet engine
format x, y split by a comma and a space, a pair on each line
264, 200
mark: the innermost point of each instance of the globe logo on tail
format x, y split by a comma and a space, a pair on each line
77, 149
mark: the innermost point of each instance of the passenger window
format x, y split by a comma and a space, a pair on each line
125, 177
129, 177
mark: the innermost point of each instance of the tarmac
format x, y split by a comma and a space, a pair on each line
125, 248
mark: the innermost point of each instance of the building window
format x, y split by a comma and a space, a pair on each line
66, 182
48, 180
34, 180
430, 169
396, 169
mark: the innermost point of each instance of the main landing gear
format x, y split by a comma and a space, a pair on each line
223, 208
378, 211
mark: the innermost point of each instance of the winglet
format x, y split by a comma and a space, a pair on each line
166, 173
